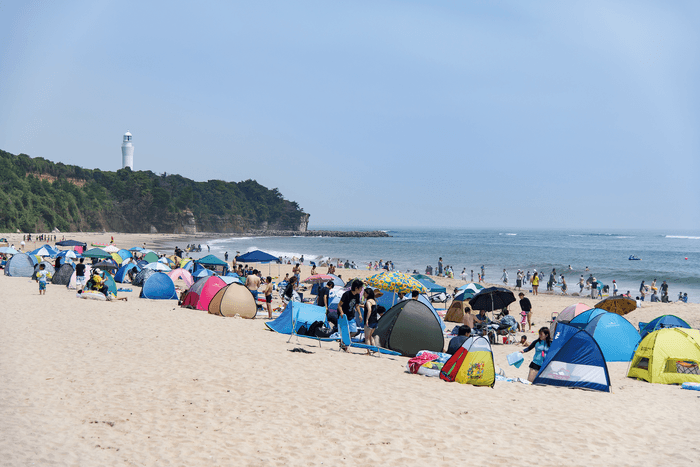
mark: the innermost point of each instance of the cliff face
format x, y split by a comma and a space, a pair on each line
39, 195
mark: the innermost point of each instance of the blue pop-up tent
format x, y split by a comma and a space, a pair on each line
664, 321
615, 335
159, 286
296, 315
574, 360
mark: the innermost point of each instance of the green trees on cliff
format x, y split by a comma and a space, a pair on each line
40, 195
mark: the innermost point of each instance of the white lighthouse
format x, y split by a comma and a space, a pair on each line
127, 152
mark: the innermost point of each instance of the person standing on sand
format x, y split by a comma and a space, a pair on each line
226, 256
525, 312
614, 288
472, 276
80, 274
535, 282
642, 290
41, 277
253, 282
440, 267
268, 296
504, 277
541, 347
349, 305
483, 273
371, 319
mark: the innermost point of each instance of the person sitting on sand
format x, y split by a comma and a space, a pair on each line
290, 293
523, 340
468, 319
541, 347
456, 342
414, 295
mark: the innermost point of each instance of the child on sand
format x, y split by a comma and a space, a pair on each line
541, 347
41, 277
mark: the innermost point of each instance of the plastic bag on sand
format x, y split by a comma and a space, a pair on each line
515, 359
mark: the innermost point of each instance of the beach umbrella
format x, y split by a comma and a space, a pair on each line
8, 250
473, 286
105, 265
67, 254
318, 278
96, 253
41, 252
493, 298
203, 272
158, 266
395, 281
111, 249
136, 248
256, 256
618, 305
423, 277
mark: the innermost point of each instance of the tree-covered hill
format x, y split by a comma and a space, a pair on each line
40, 195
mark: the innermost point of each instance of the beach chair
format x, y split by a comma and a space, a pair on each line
296, 325
344, 329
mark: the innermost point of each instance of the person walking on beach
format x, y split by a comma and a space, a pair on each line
483, 273
268, 296
525, 312
614, 288
504, 277
528, 276
535, 282
582, 284
642, 291
519, 280
80, 274
563, 285
226, 256
41, 277
541, 347
440, 267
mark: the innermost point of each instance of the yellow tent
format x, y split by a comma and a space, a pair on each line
668, 356
471, 364
117, 258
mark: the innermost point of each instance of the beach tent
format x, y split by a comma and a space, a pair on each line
615, 335
389, 299
337, 281
183, 275
200, 271
472, 364
472, 286
455, 313
665, 321
62, 277
668, 356
123, 272
214, 263
574, 360
48, 267
141, 277
158, 266
234, 299
124, 254
150, 257
567, 314
117, 259
71, 243
296, 315
200, 294
409, 327
158, 287
256, 256
423, 276
432, 286
97, 253
230, 280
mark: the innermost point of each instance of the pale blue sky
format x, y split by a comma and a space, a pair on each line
463, 114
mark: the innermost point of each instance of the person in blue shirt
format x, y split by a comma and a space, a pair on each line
541, 347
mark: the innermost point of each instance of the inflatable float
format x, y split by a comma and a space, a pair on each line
92, 295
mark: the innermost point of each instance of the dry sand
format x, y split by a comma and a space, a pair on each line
147, 383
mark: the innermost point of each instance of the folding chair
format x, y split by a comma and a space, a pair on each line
344, 329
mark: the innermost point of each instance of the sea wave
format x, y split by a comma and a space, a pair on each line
683, 236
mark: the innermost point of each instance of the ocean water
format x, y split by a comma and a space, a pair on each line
663, 254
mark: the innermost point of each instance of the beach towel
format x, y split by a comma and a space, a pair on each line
416, 362
515, 359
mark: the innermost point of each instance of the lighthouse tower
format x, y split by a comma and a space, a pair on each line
127, 152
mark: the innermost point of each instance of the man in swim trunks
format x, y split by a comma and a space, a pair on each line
253, 282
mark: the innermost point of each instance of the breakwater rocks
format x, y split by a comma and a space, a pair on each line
318, 233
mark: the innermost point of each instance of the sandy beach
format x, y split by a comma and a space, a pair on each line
148, 383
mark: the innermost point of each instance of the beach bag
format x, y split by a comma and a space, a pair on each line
515, 359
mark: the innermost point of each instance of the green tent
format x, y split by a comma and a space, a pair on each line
97, 253
150, 257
